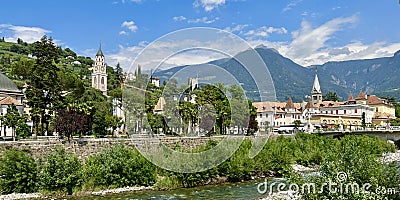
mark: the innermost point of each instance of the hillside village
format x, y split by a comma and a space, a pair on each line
50, 91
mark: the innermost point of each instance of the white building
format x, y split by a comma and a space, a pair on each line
9, 94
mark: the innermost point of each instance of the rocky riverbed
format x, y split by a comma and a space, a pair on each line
284, 195
20, 196
391, 157
96, 193
121, 190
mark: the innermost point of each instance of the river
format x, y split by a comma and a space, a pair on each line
240, 191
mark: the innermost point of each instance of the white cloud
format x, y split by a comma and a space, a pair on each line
134, 1
204, 20
336, 8
130, 25
170, 51
265, 31
310, 45
307, 14
209, 5
179, 18
291, 5
123, 33
237, 29
307, 41
27, 34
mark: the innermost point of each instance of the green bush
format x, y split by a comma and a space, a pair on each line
119, 166
358, 158
18, 172
239, 166
61, 172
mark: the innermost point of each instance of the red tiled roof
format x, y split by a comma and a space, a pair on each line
351, 98
279, 107
289, 103
380, 115
327, 104
374, 100
360, 96
9, 100
310, 105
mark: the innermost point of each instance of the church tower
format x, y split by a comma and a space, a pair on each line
316, 93
99, 75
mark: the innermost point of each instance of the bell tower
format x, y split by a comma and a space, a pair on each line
316, 93
99, 75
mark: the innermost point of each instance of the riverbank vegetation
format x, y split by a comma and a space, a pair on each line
61, 172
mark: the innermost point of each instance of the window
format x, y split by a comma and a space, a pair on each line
344, 111
377, 110
332, 112
260, 115
102, 80
337, 112
355, 110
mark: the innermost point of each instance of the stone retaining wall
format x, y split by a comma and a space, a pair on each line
86, 147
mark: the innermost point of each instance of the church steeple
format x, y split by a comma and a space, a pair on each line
100, 52
316, 93
99, 75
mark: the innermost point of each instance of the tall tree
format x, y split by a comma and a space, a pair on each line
44, 91
331, 96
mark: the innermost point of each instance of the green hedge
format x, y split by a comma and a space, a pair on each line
61, 172
118, 166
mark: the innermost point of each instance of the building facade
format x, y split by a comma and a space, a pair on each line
355, 113
9, 94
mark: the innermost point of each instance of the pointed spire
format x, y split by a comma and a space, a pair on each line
289, 103
99, 52
351, 98
316, 87
360, 96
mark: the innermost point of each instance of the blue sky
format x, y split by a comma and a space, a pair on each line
307, 31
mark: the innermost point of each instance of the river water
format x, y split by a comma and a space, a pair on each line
240, 191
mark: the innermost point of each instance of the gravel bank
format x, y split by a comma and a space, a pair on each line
20, 196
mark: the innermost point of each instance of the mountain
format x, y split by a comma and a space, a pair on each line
376, 76
290, 79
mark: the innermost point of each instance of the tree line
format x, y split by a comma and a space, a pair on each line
205, 110
60, 96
